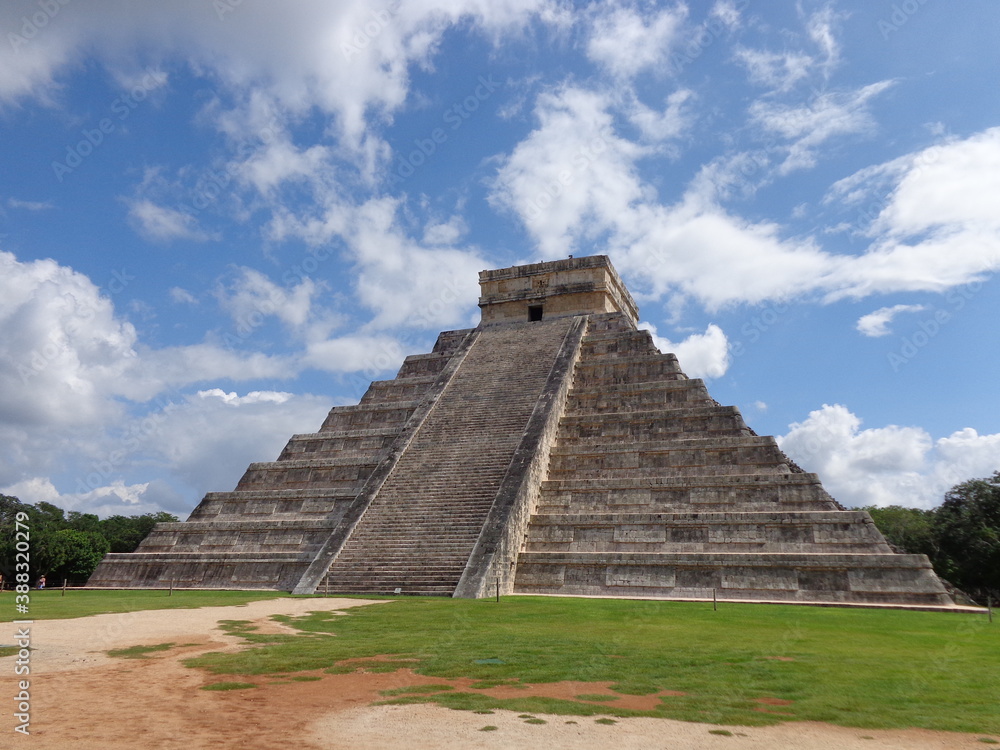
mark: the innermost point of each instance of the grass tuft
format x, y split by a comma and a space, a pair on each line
229, 686
721, 732
489, 728
606, 721
417, 689
139, 652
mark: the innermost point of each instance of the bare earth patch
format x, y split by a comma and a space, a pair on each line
84, 699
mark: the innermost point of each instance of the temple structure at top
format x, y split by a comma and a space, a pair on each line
551, 449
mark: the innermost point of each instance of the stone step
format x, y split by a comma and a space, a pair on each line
423, 365
385, 392
664, 395
821, 577
819, 531
460, 453
361, 444
618, 370
368, 416
691, 443
695, 492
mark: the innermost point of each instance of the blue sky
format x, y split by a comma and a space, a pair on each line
219, 219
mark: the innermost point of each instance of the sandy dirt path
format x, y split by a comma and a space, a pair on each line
81, 698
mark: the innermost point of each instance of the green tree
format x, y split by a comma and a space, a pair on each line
83, 521
67, 545
909, 530
124, 533
967, 533
74, 555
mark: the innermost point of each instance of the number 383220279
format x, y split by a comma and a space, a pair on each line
22, 545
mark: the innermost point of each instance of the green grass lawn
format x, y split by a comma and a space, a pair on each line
52, 605
862, 668
854, 667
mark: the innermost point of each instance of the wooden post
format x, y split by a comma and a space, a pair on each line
498, 589
64, 587
326, 585
171, 587
715, 603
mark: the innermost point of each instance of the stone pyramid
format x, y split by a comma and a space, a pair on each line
552, 449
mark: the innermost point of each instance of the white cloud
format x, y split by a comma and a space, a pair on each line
29, 205
889, 465
182, 295
63, 351
947, 187
779, 71
350, 59
371, 354
669, 123
876, 323
163, 224
819, 26
174, 367
570, 174
402, 281
625, 43
252, 296
574, 183
727, 12
278, 162
700, 355
33, 490
253, 397
74, 378
935, 226
824, 117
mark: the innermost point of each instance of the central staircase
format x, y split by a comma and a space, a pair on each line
419, 531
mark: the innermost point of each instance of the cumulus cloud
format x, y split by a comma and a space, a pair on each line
33, 490
668, 123
75, 381
934, 224
63, 351
350, 59
701, 355
572, 175
876, 323
889, 465
625, 42
575, 184
429, 283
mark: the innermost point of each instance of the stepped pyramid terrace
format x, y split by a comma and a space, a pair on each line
552, 450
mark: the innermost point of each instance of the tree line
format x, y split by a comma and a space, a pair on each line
66, 546
961, 536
